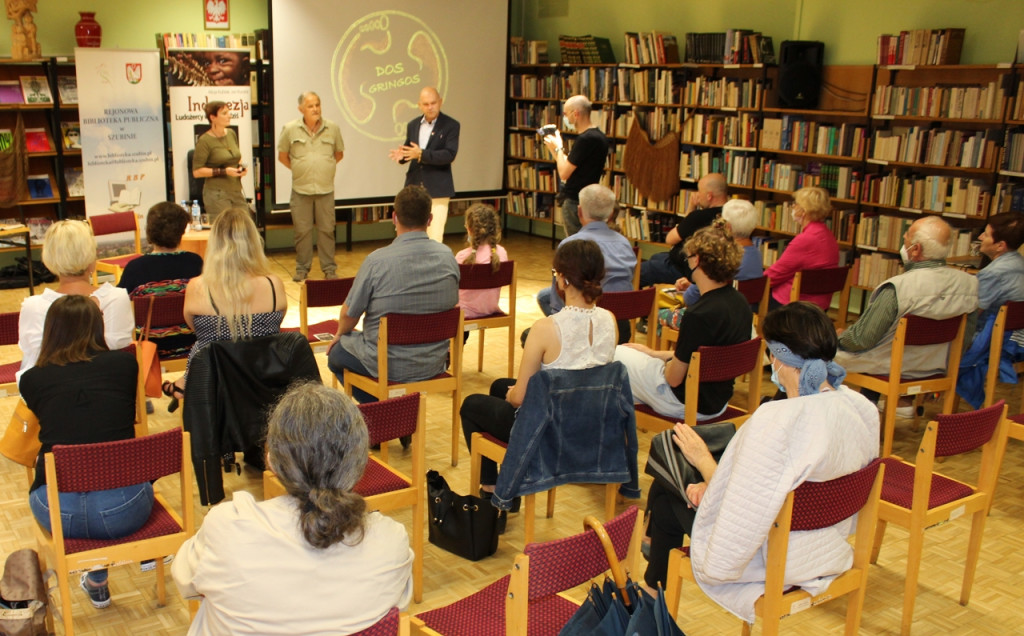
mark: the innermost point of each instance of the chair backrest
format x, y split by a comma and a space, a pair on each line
718, 364
753, 289
386, 626
820, 504
107, 465
113, 223
925, 331
629, 305
391, 419
1009, 318
327, 293
414, 329
963, 432
480, 276
9, 328
823, 281
565, 563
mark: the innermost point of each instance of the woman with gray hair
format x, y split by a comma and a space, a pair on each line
311, 561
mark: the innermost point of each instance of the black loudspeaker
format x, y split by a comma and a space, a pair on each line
800, 64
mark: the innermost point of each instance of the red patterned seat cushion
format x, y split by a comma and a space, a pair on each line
898, 486
120, 261
1017, 418
484, 613
7, 371
377, 480
160, 524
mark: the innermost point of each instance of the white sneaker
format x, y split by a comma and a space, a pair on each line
150, 564
905, 412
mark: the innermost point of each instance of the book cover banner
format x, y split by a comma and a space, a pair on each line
121, 126
194, 78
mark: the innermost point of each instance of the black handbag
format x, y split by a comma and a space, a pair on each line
669, 468
461, 524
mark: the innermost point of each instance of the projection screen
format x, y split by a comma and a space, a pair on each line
368, 61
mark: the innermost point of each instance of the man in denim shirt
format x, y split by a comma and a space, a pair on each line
1002, 280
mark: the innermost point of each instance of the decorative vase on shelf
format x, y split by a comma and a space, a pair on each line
88, 31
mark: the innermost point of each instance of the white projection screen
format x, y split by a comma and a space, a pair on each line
368, 61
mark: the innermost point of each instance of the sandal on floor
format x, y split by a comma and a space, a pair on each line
174, 392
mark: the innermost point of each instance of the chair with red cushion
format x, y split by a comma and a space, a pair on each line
9, 337
159, 315
384, 487
812, 506
417, 329
632, 306
320, 293
91, 467
828, 280
754, 290
528, 600
714, 364
393, 623
480, 276
916, 497
116, 223
915, 331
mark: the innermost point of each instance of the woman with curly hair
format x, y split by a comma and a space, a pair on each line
720, 317
580, 336
483, 233
314, 561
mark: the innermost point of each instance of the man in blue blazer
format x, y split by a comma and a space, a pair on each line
431, 143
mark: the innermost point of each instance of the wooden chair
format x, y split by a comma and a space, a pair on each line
528, 601
320, 293
916, 497
830, 280
393, 623
384, 487
812, 506
160, 312
415, 329
115, 223
90, 467
915, 331
633, 305
1009, 318
480, 276
9, 337
714, 364
755, 290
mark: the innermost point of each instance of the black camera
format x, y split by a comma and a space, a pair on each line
547, 129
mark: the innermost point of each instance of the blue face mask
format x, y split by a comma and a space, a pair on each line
775, 379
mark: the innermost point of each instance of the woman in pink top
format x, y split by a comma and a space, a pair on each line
813, 247
483, 232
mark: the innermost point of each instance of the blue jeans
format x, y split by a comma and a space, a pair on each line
544, 301
658, 269
102, 514
339, 360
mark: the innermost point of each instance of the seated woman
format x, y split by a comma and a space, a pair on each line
236, 297
813, 247
311, 561
69, 251
580, 336
822, 431
84, 393
166, 269
721, 317
483, 233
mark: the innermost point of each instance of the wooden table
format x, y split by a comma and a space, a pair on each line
193, 241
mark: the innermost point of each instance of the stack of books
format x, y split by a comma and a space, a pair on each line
921, 47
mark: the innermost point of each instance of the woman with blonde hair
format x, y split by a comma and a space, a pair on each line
236, 297
69, 251
814, 247
483, 233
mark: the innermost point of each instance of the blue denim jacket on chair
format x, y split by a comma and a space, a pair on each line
575, 426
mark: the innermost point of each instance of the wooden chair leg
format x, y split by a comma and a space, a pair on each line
456, 402
914, 550
511, 352
418, 514
480, 351
475, 459
889, 425
530, 513
610, 491
973, 551
161, 585
65, 601
876, 547
551, 502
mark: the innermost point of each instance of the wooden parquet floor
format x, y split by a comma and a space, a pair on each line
995, 606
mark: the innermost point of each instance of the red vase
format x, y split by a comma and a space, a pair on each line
88, 31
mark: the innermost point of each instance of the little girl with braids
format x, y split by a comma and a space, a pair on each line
483, 232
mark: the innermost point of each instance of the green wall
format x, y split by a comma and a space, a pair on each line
848, 29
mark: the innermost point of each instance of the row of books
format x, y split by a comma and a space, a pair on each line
842, 182
257, 42
645, 225
647, 86
653, 47
798, 135
720, 130
947, 102
530, 176
596, 82
921, 47
734, 46
628, 195
886, 233
936, 147
523, 51
1018, 107
1012, 157
35, 90
537, 205
737, 166
1009, 197
722, 92
527, 147
535, 115
872, 269
959, 197
37, 140
529, 86
585, 49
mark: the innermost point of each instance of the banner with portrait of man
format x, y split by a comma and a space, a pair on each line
196, 77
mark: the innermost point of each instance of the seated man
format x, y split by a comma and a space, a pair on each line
927, 288
667, 267
721, 317
413, 275
597, 203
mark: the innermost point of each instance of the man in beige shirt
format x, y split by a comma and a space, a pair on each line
311, 148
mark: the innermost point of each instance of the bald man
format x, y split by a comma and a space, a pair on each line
431, 143
583, 164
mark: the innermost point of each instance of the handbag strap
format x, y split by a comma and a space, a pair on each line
590, 522
149, 319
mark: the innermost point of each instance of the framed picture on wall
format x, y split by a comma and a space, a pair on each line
216, 12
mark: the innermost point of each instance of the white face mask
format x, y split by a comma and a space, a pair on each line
904, 256
568, 125
775, 378
799, 218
